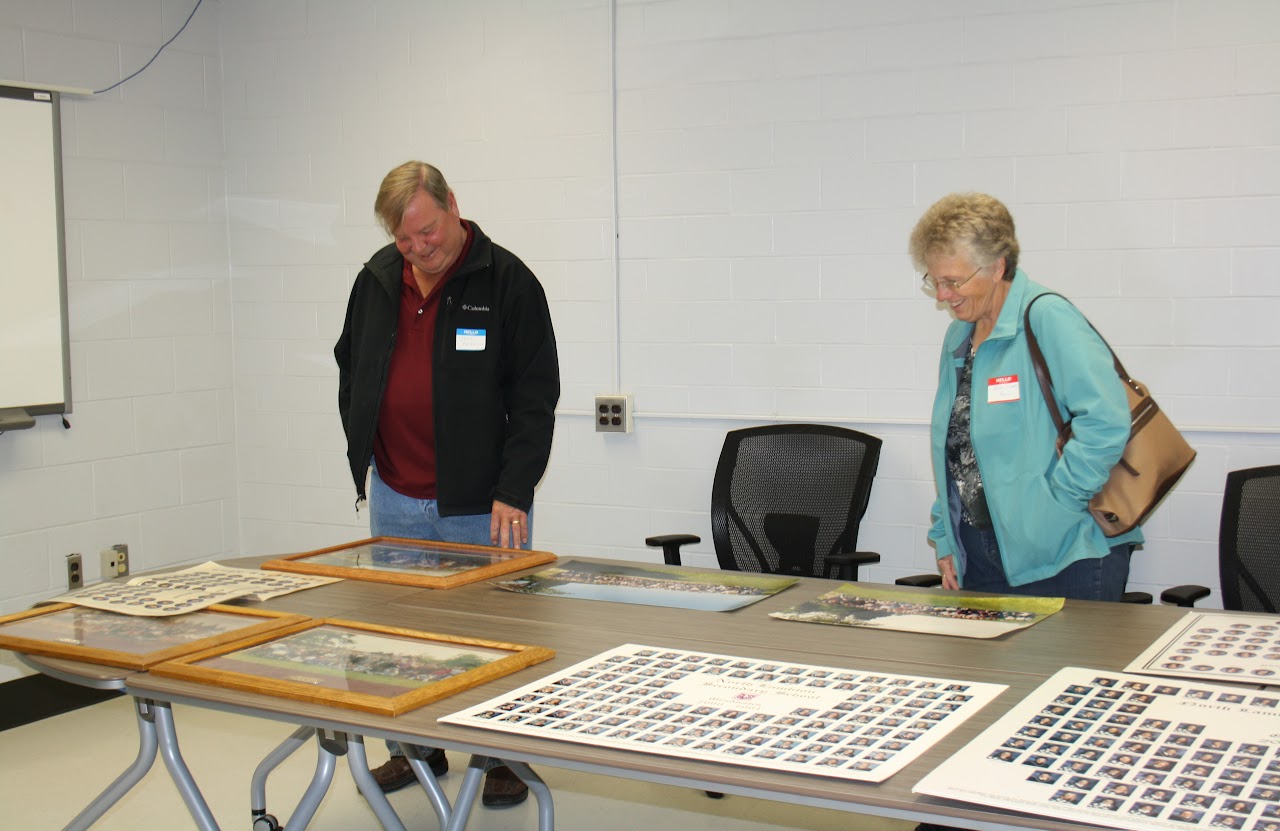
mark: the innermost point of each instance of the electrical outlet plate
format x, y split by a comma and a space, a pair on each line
75, 573
115, 561
613, 414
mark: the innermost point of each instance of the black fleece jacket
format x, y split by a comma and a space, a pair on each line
494, 409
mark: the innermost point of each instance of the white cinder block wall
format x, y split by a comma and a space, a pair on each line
771, 161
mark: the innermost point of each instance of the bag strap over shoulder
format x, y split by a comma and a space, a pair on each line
1042, 367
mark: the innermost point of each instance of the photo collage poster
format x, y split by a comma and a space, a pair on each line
1216, 646
778, 715
1127, 751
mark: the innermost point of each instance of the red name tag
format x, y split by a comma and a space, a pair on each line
1002, 388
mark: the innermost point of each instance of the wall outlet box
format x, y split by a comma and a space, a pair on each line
115, 561
613, 413
75, 573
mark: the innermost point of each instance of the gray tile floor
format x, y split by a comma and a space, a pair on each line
49, 770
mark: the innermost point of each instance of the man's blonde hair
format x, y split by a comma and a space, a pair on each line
401, 185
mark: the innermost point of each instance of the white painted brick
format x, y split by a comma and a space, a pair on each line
1176, 273
987, 86
807, 54
728, 236
70, 61
40, 14
1122, 225
661, 364
672, 279
924, 42
1253, 374
202, 362
651, 151
868, 95
734, 322
1173, 174
868, 276
905, 322
675, 63
1139, 126
933, 180
752, 18
913, 137
585, 322
101, 430
777, 190
1071, 178
654, 323
715, 400
830, 141
124, 250
678, 108
305, 357
93, 189
826, 233
98, 310
866, 367
174, 422
1067, 81
1257, 171
1257, 68
1253, 272
11, 54
822, 322
1019, 132
1119, 27
1077, 274
182, 534
171, 307
775, 365
135, 483
168, 82
1226, 22
1247, 221
849, 187
888, 230
1020, 36
775, 278
28, 563
1131, 322
683, 194
192, 137
208, 473
722, 148
1196, 73
821, 403
119, 369
1238, 321
1177, 370
1228, 122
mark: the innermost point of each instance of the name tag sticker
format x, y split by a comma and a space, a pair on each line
1002, 388
469, 340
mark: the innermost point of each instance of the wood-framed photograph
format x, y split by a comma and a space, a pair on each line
359, 666
96, 636
423, 563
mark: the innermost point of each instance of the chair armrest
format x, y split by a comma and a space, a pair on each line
847, 563
1142, 598
1184, 595
670, 545
920, 581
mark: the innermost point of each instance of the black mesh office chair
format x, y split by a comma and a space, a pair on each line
1248, 545
788, 499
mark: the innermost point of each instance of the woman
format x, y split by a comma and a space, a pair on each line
1011, 516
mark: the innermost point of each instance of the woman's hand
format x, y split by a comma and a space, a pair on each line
947, 566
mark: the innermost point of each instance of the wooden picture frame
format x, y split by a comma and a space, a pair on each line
96, 636
358, 666
426, 564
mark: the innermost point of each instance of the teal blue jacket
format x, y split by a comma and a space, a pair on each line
1038, 501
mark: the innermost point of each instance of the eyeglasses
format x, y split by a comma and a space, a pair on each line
932, 285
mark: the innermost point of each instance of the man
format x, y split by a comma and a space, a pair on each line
447, 386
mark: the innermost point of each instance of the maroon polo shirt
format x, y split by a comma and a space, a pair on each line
405, 444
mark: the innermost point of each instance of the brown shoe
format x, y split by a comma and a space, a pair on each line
397, 773
502, 789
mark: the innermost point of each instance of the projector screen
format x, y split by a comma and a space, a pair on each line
35, 373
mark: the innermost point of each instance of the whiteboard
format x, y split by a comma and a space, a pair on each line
35, 374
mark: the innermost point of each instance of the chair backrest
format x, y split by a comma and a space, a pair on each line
1249, 540
786, 496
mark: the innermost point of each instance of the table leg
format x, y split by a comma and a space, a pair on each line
377, 800
435, 794
131, 776
167, 738
546, 810
466, 797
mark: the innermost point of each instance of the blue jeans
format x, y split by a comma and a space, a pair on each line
1096, 578
392, 514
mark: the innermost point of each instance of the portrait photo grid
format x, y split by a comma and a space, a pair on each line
1216, 647
772, 714
1127, 751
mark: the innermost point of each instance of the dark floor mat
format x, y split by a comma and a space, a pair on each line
34, 697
